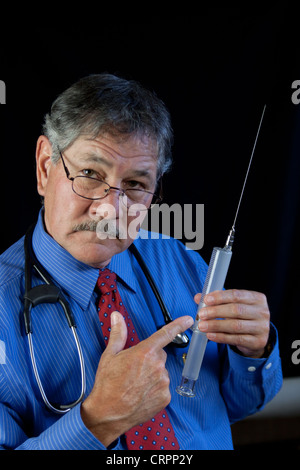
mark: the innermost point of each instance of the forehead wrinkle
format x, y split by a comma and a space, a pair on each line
114, 152
95, 158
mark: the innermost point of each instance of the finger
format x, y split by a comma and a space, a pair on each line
232, 326
249, 345
240, 341
235, 296
118, 334
167, 333
234, 310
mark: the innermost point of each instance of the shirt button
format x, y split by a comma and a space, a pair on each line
251, 369
269, 365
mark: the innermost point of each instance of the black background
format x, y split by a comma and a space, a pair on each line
215, 69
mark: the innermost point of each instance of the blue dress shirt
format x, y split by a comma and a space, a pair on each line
230, 386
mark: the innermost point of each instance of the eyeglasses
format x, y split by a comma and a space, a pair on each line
94, 189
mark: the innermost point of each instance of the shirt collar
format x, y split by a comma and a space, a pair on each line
121, 264
74, 277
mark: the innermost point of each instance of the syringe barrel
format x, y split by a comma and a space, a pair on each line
192, 364
215, 279
216, 274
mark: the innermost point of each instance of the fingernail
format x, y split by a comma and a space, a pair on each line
208, 299
114, 318
189, 322
203, 325
202, 313
211, 336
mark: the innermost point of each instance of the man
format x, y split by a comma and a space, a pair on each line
105, 146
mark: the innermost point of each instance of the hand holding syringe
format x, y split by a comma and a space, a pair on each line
215, 279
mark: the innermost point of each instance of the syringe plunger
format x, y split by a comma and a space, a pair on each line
230, 238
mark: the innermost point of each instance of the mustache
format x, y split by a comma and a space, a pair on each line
106, 227
89, 226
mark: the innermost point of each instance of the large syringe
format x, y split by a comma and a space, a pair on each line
215, 279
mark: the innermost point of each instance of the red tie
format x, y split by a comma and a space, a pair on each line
158, 432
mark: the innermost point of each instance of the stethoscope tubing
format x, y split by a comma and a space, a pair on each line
50, 293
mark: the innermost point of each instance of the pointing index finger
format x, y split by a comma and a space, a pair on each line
167, 333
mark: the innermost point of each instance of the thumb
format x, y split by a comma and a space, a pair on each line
118, 334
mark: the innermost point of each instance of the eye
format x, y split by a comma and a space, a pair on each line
133, 184
89, 172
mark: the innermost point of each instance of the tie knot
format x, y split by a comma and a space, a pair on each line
107, 281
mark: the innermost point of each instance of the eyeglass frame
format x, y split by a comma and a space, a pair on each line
122, 191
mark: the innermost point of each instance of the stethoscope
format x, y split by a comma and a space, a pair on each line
50, 293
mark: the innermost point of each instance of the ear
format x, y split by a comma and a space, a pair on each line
43, 163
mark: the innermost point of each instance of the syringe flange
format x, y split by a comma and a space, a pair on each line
186, 388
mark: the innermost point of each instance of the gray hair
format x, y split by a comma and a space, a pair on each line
104, 103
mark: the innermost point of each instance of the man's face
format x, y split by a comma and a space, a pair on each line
131, 162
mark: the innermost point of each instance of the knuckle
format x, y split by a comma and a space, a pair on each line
266, 314
262, 297
264, 317
163, 388
264, 339
238, 325
266, 326
166, 379
168, 333
262, 343
166, 398
158, 363
238, 310
162, 371
240, 341
164, 356
236, 295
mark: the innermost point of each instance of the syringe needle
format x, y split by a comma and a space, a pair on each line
249, 165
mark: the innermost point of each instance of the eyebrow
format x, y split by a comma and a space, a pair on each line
93, 157
141, 173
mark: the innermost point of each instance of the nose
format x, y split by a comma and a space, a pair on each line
113, 197
108, 207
